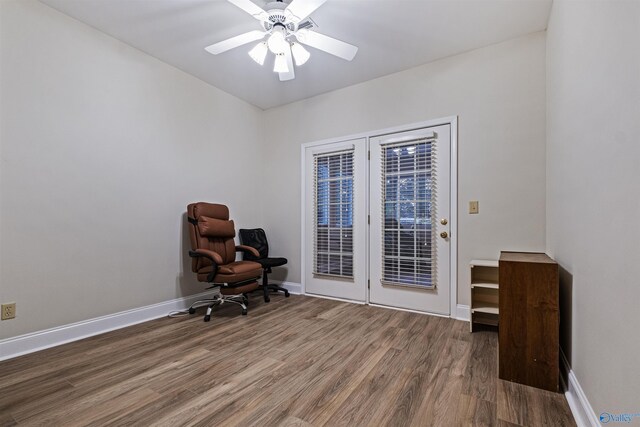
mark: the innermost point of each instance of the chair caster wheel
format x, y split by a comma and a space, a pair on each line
244, 312
207, 318
286, 294
192, 310
267, 299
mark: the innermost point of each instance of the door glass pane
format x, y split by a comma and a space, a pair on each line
333, 232
407, 210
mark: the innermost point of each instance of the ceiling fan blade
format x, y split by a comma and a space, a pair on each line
251, 8
300, 9
291, 74
236, 41
328, 44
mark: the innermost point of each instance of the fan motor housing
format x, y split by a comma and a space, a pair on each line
277, 16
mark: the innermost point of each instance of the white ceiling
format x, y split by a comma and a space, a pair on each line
392, 35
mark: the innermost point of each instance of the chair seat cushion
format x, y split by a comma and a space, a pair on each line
236, 267
232, 273
271, 262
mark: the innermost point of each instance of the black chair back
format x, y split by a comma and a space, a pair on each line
256, 238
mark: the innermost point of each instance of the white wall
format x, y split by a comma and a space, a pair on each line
593, 184
102, 147
498, 92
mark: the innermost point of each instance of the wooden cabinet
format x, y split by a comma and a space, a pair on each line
529, 319
484, 293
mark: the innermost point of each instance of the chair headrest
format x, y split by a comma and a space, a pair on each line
210, 210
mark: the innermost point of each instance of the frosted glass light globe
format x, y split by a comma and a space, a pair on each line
276, 42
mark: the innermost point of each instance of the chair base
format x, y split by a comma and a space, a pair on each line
218, 299
266, 287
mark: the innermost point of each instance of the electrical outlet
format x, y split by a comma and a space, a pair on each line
8, 311
473, 207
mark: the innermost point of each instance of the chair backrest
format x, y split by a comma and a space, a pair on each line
256, 238
210, 228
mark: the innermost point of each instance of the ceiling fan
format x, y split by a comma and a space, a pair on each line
288, 28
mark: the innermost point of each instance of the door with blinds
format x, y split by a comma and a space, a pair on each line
335, 220
409, 230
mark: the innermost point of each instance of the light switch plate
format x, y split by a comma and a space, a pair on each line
473, 207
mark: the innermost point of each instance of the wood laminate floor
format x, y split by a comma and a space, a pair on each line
299, 361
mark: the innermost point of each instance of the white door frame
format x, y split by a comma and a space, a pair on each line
453, 247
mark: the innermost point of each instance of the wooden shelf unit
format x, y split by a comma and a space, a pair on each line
528, 340
484, 293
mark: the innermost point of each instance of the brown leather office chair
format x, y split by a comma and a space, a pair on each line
213, 253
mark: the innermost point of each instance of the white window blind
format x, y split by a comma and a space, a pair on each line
333, 231
408, 205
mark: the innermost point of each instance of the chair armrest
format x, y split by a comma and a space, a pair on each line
213, 256
251, 250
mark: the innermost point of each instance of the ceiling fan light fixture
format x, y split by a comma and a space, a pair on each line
276, 42
259, 53
300, 54
285, 32
280, 65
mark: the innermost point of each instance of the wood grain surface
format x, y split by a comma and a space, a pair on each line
529, 320
299, 361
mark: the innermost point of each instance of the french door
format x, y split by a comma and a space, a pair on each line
377, 219
335, 220
409, 208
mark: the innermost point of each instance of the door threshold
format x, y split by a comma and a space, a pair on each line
428, 313
334, 298
408, 310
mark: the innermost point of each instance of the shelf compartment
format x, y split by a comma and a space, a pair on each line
484, 274
484, 293
485, 307
486, 319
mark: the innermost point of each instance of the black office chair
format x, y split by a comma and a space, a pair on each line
257, 238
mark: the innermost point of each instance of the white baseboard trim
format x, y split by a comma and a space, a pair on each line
463, 312
292, 287
580, 407
36, 341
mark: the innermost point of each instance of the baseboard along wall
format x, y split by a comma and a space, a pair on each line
463, 312
580, 407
